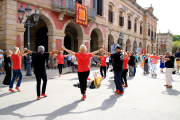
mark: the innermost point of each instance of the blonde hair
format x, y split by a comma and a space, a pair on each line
125, 54
82, 48
16, 49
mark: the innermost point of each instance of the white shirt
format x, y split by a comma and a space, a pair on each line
107, 59
1, 59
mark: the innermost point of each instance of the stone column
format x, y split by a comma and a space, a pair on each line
123, 47
9, 21
105, 44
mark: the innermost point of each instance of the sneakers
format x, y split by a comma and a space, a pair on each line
84, 97
103, 77
169, 86
152, 74
59, 75
43, 94
123, 83
17, 89
125, 86
38, 98
116, 91
155, 74
166, 85
120, 93
16, 80
11, 90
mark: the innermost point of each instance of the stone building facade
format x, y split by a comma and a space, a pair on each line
57, 26
164, 42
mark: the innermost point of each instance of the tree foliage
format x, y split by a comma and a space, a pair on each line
176, 37
175, 45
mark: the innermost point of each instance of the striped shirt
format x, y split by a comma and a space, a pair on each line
154, 59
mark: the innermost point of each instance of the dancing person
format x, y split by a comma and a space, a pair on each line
125, 70
40, 69
161, 62
69, 61
177, 56
146, 71
117, 67
103, 65
1, 59
60, 57
25, 62
169, 64
16, 59
154, 59
7, 68
83, 66
131, 64
65, 60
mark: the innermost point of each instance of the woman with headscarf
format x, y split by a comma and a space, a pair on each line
83, 66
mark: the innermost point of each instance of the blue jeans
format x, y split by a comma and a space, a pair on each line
25, 64
15, 73
117, 79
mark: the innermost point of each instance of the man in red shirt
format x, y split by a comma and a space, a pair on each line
154, 59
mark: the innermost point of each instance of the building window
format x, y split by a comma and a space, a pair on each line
121, 19
79, 1
141, 28
152, 32
110, 13
149, 30
129, 22
135, 25
97, 5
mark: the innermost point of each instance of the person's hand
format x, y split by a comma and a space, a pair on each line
102, 50
25, 49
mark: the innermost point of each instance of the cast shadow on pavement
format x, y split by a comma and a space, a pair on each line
108, 103
10, 109
6, 94
60, 112
170, 91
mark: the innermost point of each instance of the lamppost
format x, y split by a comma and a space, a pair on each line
28, 24
121, 38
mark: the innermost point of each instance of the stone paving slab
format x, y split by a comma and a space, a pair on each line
146, 98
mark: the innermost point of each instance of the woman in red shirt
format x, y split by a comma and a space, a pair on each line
103, 65
125, 70
16, 59
60, 57
83, 66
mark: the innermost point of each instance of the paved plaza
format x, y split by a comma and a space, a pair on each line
146, 98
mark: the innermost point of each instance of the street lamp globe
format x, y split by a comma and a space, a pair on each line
36, 16
28, 10
21, 14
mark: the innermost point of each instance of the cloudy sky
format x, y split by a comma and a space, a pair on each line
167, 12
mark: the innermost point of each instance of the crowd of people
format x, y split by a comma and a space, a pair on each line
122, 62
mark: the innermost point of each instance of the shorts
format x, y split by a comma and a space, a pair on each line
72, 64
178, 63
0, 65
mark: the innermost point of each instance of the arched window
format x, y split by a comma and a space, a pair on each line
135, 25
129, 22
110, 13
121, 19
141, 28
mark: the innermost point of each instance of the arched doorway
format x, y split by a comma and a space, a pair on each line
148, 49
140, 45
128, 45
96, 40
134, 46
70, 39
38, 36
110, 42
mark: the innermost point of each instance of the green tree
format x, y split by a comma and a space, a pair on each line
176, 37
175, 45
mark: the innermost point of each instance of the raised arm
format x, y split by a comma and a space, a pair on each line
95, 52
69, 51
55, 52
66, 55
21, 53
9, 54
166, 59
30, 52
106, 53
96, 56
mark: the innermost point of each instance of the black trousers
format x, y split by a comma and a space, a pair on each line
69, 63
38, 79
83, 80
123, 76
60, 68
7, 78
101, 68
107, 63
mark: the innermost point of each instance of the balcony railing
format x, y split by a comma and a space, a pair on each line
153, 38
69, 6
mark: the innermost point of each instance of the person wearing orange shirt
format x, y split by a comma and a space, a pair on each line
83, 66
154, 59
60, 57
